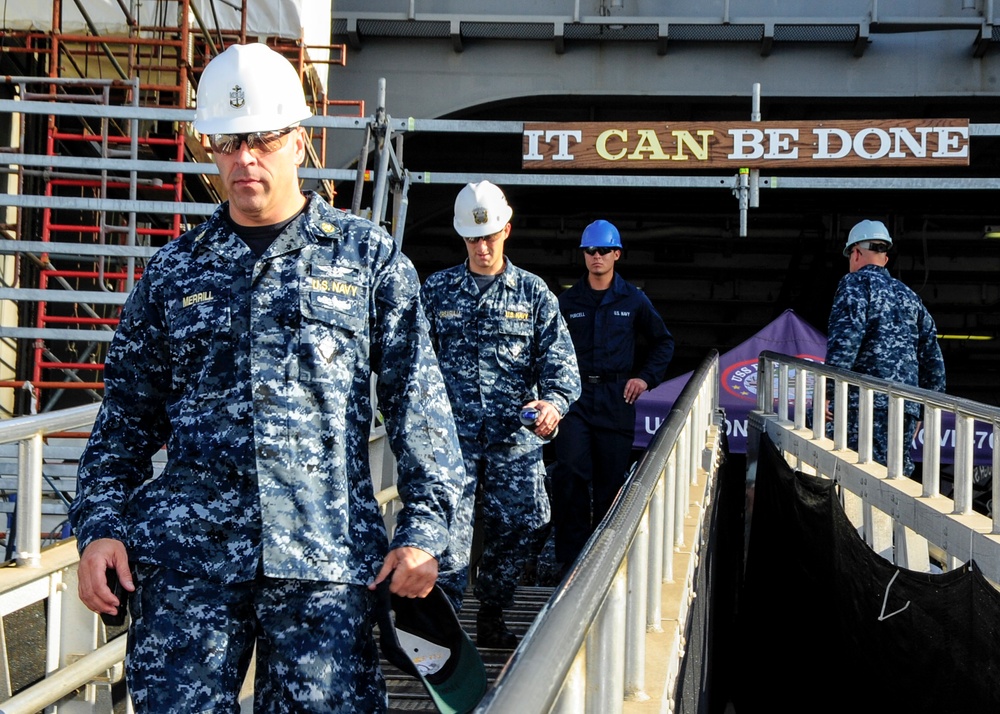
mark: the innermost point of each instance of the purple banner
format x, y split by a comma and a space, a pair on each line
790, 335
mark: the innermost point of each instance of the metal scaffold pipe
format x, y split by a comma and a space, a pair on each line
66, 680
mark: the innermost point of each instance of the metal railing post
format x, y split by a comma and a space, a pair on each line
840, 416
995, 491
931, 467
963, 464
606, 671
783, 392
654, 573
572, 698
865, 407
800, 398
670, 479
29, 501
682, 480
895, 446
635, 614
819, 407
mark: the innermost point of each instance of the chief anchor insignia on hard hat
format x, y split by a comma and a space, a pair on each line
236, 97
249, 88
480, 215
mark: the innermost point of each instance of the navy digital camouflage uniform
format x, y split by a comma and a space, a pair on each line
595, 439
879, 327
255, 373
498, 350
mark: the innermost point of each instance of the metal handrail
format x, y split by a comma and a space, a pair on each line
29, 433
912, 509
590, 609
67, 680
21, 428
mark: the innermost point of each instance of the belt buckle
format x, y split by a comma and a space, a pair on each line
593, 379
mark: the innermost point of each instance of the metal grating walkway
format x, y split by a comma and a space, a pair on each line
406, 694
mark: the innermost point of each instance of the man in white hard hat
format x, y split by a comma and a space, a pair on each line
247, 348
504, 351
879, 327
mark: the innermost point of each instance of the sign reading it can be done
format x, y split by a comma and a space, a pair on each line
713, 145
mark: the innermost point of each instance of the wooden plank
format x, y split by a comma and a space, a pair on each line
733, 145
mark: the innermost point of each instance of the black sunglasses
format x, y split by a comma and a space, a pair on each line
492, 238
598, 251
263, 142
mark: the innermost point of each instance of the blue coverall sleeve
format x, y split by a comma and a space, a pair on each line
661, 344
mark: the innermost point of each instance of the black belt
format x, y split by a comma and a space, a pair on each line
604, 378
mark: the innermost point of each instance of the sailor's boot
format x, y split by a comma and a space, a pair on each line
491, 630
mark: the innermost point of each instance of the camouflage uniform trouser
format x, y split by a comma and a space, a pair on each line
514, 511
191, 641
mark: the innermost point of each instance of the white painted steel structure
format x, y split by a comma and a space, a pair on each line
909, 522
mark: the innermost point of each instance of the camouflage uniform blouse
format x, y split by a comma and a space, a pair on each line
499, 350
255, 374
879, 327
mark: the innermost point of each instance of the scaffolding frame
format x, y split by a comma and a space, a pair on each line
100, 169
93, 308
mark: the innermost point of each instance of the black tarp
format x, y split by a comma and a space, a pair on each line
706, 671
825, 624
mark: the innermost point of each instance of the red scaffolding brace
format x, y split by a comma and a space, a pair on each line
149, 66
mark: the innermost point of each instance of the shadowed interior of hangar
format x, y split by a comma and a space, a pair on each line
683, 247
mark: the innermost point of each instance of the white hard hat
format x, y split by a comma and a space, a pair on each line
481, 210
868, 231
249, 88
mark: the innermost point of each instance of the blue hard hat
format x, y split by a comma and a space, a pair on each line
601, 234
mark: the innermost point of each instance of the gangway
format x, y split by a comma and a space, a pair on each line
618, 631
618, 579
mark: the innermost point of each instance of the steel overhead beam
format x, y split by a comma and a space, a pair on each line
67, 296
104, 111
47, 333
887, 183
13, 247
646, 181
144, 165
406, 124
120, 205
551, 180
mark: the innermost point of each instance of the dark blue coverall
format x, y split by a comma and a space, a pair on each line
595, 438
